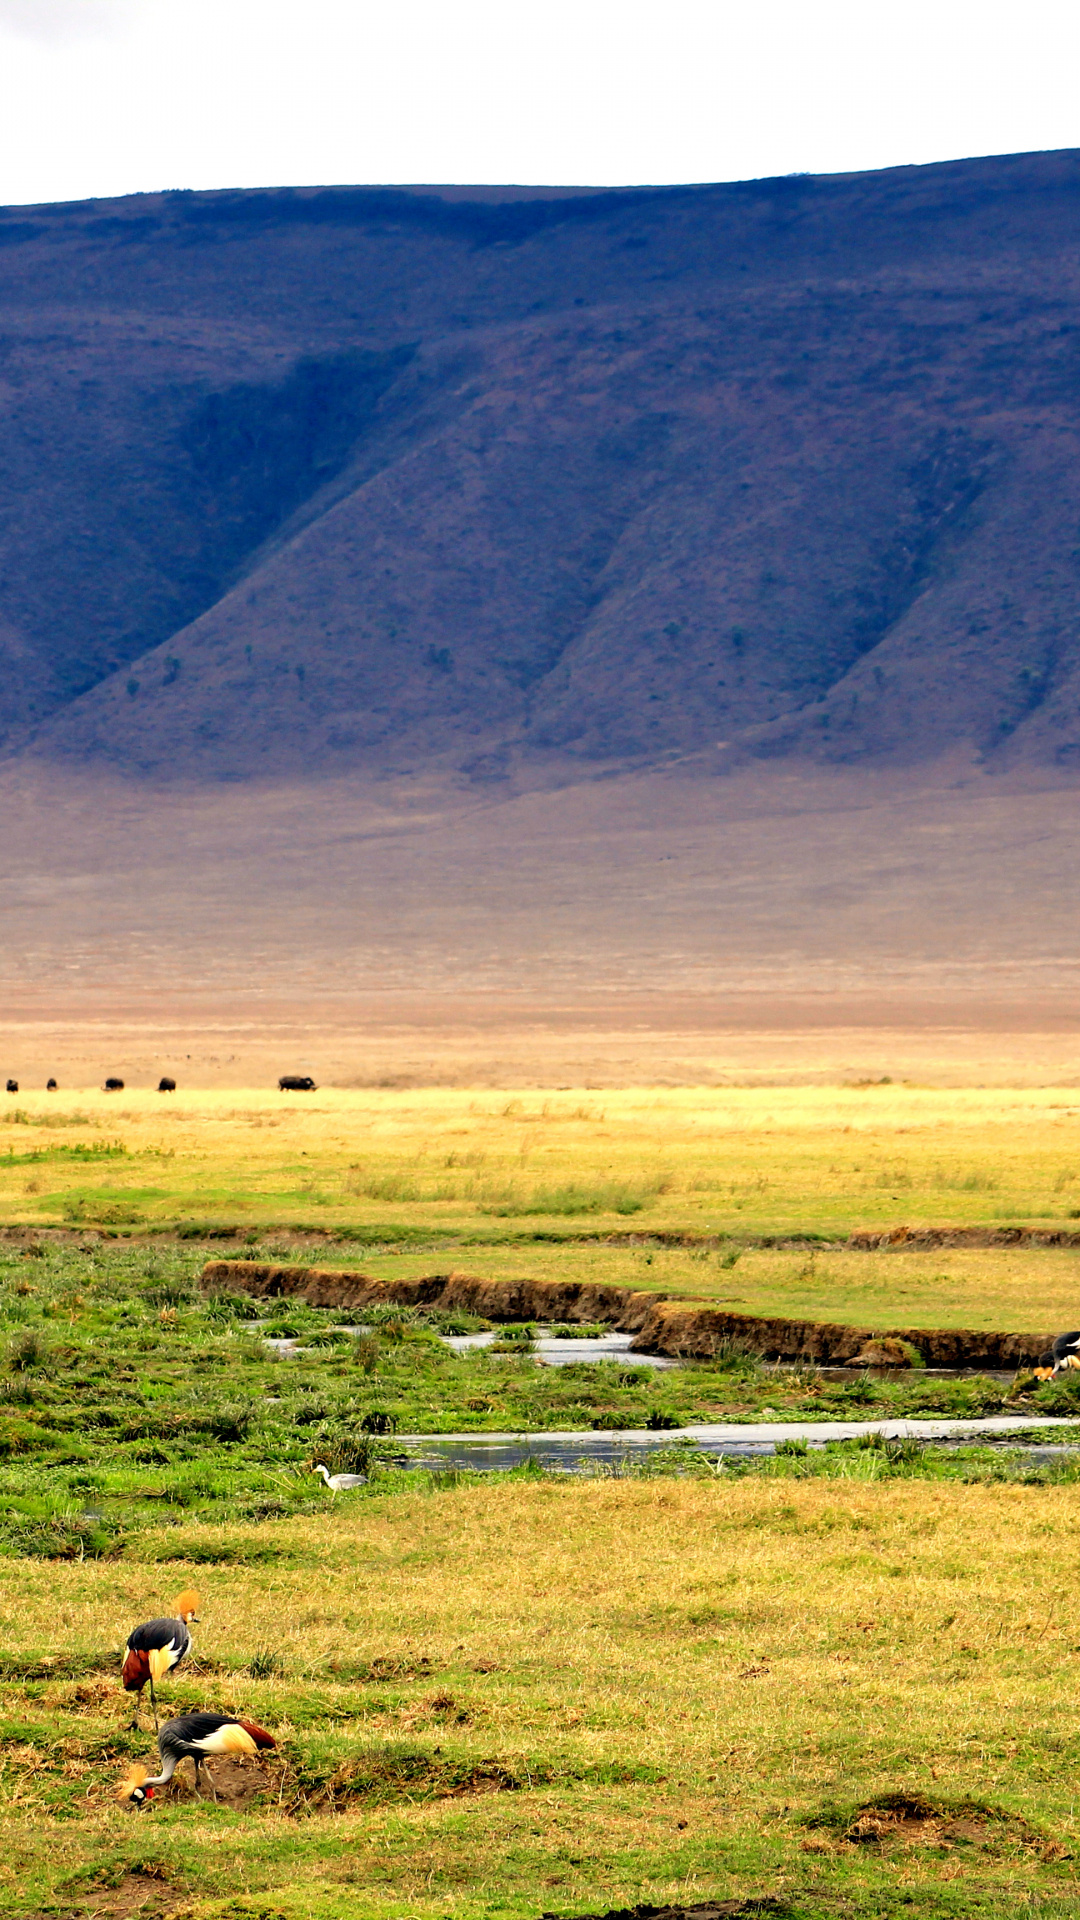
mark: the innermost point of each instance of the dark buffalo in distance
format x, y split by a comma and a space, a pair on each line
165, 1085
113, 1086
13, 1086
296, 1083
50, 1086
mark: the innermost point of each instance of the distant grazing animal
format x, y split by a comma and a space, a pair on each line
1062, 1354
165, 1085
341, 1482
155, 1648
50, 1086
296, 1083
13, 1086
196, 1736
114, 1086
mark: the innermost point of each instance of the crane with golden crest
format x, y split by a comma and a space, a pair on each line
196, 1736
156, 1647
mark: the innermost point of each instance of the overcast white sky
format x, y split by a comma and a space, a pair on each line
104, 97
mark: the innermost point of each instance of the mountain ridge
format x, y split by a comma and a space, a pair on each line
324, 480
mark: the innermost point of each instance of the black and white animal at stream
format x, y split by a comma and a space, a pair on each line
1064, 1352
341, 1482
196, 1736
155, 1648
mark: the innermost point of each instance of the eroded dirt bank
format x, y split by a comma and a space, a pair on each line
920, 1239
660, 1323
697, 1333
544, 1300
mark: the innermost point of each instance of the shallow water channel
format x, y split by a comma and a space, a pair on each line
584, 1452
546, 1348
553, 1352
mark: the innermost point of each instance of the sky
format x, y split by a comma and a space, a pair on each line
106, 97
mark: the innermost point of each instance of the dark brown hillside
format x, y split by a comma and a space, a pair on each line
358, 477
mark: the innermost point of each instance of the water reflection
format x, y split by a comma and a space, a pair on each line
581, 1452
556, 1352
548, 1349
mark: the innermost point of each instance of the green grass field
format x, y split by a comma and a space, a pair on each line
840, 1681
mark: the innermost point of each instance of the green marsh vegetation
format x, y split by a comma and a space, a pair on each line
132, 1404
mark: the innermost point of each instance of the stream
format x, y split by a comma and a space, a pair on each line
577, 1452
545, 1348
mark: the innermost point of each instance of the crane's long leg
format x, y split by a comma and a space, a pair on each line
153, 1703
138, 1703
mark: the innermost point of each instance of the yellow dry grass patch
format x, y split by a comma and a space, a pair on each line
735, 1158
891, 1620
741, 1658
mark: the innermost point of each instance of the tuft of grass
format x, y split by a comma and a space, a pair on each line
28, 1352
266, 1663
50, 1528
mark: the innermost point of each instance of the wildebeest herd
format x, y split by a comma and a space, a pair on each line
288, 1083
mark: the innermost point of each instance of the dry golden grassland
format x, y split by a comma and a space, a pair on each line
733, 1158
682, 1688
524, 1184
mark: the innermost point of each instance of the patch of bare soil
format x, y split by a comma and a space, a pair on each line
909, 1820
119, 1891
237, 1782
706, 1910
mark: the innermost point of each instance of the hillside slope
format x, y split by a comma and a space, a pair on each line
369, 479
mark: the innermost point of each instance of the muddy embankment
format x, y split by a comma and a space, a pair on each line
688, 1332
548, 1301
679, 1328
925, 1239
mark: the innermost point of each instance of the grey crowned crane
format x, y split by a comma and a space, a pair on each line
340, 1482
197, 1736
1064, 1352
155, 1648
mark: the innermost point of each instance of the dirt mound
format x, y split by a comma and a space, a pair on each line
238, 1782
911, 1820
119, 1888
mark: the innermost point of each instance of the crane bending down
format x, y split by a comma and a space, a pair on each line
197, 1736
1062, 1354
155, 1648
341, 1482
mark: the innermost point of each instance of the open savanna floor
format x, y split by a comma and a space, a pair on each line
548, 1696
438, 1160
560, 1186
